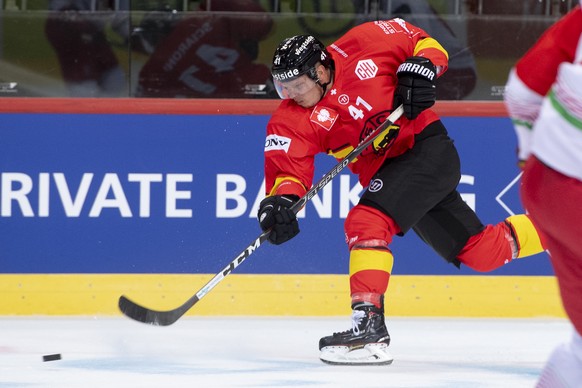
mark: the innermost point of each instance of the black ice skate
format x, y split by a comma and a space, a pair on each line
365, 344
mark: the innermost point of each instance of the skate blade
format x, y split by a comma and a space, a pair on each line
371, 354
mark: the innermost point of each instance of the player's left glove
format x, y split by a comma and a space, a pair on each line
275, 213
416, 88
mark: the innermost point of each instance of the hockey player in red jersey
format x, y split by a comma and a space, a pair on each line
210, 55
544, 99
332, 98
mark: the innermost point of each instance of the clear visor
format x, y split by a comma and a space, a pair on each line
294, 87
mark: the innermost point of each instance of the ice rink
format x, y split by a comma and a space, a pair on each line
269, 352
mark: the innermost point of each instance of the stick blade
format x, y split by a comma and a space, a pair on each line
151, 317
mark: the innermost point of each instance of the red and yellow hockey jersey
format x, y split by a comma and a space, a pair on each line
359, 100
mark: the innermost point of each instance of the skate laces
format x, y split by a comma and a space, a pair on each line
357, 317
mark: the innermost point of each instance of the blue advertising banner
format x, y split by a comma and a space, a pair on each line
131, 193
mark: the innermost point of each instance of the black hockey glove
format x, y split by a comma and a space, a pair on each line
275, 213
416, 86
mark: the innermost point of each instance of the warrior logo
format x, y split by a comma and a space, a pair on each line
375, 185
343, 99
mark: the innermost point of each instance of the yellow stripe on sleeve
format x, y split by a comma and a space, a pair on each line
428, 43
282, 179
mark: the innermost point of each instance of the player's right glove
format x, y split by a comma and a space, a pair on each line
275, 213
416, 88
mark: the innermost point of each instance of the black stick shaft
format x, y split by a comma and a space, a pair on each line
165, 318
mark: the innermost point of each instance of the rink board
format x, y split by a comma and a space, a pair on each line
89, 192
280, 295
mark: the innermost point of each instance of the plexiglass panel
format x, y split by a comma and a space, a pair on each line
223, 49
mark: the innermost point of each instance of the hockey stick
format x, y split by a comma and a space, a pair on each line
166, 318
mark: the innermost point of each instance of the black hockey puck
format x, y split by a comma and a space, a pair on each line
51, 357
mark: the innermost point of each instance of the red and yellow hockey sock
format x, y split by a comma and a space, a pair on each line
369, 274
496, 245
525, 234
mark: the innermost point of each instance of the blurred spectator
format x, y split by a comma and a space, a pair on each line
461, 77
208, 55
88, 64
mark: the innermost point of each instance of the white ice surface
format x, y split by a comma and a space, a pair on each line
270, 352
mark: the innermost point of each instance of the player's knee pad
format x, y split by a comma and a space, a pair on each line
365, 223
525, 235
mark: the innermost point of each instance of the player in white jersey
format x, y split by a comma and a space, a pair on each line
544, 99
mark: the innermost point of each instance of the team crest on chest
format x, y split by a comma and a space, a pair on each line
385, 139
324, 117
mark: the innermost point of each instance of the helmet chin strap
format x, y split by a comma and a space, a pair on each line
324, 85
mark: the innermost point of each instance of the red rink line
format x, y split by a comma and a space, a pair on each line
205, 106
